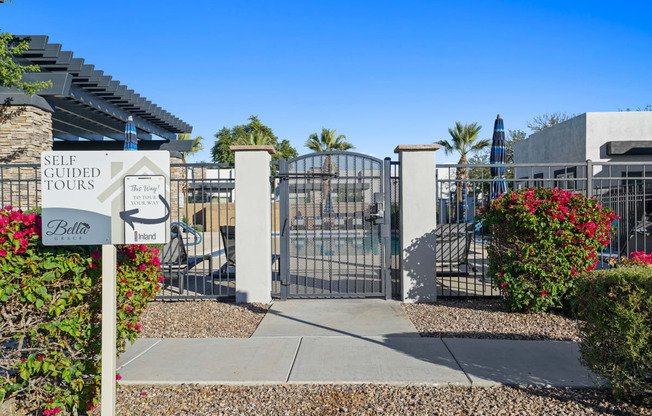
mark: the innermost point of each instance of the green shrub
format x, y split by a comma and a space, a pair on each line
617, 337
541, 239
199, 228
50, 302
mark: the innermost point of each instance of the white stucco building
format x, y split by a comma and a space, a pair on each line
599, 137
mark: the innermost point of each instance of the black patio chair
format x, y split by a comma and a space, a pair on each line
453, 244
228, 238
175, 262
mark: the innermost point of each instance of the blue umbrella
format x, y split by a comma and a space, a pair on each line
328, 207
497, 157
131, 138
464, 205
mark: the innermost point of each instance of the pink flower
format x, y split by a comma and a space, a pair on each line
503, 284
22, 360
129, 308
155, 251
96, 254
3, 253
129, 294
143, 248
138, 326
123, 281
144, 393
118, 377
40, 357
142, 267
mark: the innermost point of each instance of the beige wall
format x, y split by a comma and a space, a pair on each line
212, 216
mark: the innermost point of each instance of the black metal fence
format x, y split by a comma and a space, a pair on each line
202, 265
200, 262
462, 267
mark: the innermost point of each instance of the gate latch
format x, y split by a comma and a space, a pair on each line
378, 212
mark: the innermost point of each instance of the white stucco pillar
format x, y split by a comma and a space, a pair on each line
418, 216
253, 248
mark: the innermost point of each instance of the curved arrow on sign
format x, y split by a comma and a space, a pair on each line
128, 216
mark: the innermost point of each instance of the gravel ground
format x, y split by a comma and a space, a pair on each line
201, 319
368, 399
486, 318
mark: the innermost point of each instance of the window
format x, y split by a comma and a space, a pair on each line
569, 173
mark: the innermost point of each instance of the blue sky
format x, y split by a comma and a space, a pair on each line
381, 72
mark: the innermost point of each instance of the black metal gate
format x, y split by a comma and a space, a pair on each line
335, 226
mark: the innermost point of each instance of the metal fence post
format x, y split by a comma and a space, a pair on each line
284, 237
589, 178
385, 229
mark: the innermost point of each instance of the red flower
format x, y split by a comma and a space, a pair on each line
118, 377
142, 267
96, 254
129, 294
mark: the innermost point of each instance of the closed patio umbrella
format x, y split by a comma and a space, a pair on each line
131, 138
328, 206
497, 157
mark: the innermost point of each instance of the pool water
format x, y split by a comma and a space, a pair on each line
338, 246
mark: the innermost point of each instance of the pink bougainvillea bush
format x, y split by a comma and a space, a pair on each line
636, 259
50, 302
542, 239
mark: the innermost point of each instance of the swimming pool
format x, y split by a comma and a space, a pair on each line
338, 246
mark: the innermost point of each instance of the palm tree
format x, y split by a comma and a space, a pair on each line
465, 142
197, 144
257, 138
327, 142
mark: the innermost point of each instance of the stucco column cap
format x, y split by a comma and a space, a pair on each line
240, 148
416, 148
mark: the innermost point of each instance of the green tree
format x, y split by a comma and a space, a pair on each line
11, 73
464, 140
257, 138
327, 141
546, 120
514, 136
197, 144
235, 135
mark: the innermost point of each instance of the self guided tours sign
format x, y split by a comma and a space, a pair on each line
106, 198
102, 197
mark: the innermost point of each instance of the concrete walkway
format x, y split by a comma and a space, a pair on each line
350, 341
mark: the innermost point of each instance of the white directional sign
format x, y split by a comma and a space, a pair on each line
146, 209
83, 197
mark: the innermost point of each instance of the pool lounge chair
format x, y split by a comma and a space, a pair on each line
339, 222
357, 221
453, 244
228, 238
175, 262
299, 223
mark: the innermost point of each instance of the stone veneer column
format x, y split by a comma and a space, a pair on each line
253, 221
418, 216
25, 132
178, 188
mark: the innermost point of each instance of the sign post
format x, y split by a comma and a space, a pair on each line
109, 332
107, 198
